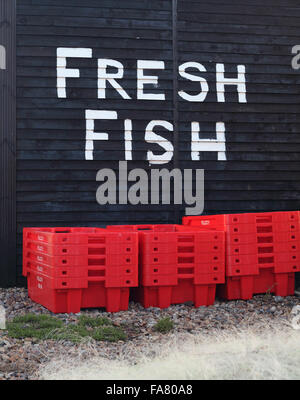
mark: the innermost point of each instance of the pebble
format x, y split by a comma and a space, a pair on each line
278, 299
20, 359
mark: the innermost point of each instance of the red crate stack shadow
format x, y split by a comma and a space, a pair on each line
262, 251
72, 268
177, 264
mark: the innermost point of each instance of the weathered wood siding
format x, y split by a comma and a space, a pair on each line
56, 185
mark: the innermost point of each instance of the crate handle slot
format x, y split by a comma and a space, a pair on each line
265, 260
264, 229
186, 238
189, 249
96, 240
94, 273
185, 271
265, 250
263, 220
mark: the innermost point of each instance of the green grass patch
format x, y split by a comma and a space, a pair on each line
92, 322
164, 325
109, 334
47, 327
33, 326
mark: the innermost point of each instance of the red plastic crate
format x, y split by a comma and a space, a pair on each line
101, 248
198, 276
80, 263
60, 235
281, 227
175, 256
244, 287
109, 276
273, 237
187, 250
287, 267
243, 269
263, 217
159, 258
76, 236
175, 246
263, 248
258, 229
147, 227
83, 261
80, 250
257, 240
50, 282
237, 265
53, 282
113, 299
164, 296
72, 300
222, 220
59, 272
152, 279
211, 268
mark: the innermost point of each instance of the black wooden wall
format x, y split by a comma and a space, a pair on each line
7, 142
56, 186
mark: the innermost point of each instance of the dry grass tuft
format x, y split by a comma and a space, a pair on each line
260, 352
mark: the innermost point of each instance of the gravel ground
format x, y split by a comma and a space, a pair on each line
20, 359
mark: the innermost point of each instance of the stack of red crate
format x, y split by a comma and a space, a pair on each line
177, 264
72, 268
262, 251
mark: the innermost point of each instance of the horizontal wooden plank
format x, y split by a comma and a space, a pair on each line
96, 32
213, 34
95, 12
83, 218
86, 201
227, 113
238, 9
141, 4
64, 190
91, 42
227, 57
142, 155
152, 111
255, 19
139, 126
116, 142
28, 100
86, 168
58, 20
246, 3
130, 77
243, 38
238, 28
184, 136
123, 53
253, 69
48, 213
235, 48
87, 98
